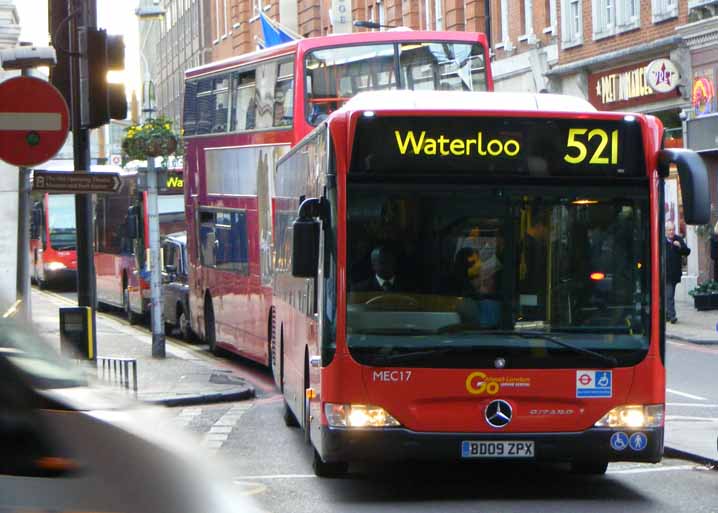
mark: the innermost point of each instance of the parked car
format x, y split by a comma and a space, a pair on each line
175, 287
66, 445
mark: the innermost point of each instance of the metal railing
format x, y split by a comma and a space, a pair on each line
117, 371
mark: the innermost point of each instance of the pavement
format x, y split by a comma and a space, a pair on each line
693, 439
186, 376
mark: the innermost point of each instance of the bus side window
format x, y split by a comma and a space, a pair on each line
284, 95
221, 104
244, 105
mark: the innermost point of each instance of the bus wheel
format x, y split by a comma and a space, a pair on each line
323, 469
132, 317
589, 468
290, 420
210, 334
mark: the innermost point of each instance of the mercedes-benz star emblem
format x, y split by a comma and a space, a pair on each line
498, 413
499, 363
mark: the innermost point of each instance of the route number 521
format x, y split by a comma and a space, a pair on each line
606, 146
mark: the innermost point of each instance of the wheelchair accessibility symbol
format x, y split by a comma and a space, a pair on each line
603, 379
638, 441
619, 441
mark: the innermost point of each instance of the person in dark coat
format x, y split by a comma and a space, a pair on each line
714, 251
383, 264
676, 249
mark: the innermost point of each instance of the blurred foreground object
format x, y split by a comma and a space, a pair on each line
67, 446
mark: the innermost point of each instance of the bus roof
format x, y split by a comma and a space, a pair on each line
331, 40
461, 101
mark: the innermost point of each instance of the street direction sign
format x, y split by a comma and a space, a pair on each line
34, 121
75, 182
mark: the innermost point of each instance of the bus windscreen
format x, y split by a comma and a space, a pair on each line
537, 147
61, 218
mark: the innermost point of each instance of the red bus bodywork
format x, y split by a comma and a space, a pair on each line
232, 308
120, 260
440, 409
52, 262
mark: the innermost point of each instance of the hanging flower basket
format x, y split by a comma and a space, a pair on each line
153, 138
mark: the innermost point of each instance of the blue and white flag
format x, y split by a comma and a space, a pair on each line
273, 35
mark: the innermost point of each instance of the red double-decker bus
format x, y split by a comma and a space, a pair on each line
479, 280
122, 238
242, 114
53, 240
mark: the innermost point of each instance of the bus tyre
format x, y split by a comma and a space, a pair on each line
323, 469
210, 334
290, 420
132, 317
589, 468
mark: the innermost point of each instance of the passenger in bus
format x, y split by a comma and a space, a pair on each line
475, 281
532, 267
383, 264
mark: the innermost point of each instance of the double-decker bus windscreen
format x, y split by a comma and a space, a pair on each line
61, 221
460, 276
334, 75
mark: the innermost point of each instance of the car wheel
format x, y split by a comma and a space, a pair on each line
132, 317
183, 326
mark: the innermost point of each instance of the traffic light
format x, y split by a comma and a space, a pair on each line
102, 101
60, 33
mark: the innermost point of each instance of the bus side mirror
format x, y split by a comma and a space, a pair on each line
133, 229
305, 240
694, 182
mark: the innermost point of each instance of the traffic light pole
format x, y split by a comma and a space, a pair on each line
86, 291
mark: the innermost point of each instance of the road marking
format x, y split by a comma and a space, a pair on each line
695, 405
683, 394
222, 428
276, 476
688, 417
643, 470
711, 349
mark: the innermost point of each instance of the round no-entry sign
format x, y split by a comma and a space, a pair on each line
34, 121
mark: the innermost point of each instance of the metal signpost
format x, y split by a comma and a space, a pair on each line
75, 182
34, 123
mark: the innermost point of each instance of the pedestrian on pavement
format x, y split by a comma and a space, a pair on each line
676, 249
714, 250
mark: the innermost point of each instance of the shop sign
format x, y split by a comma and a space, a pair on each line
624, 87
702, 96
662, 75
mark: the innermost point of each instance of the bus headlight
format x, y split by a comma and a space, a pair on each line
633, 416
55, 266
358, 416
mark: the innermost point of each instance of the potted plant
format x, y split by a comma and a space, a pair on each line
153, 138
705, 295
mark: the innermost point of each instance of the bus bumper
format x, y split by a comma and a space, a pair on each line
61, 276
399, 444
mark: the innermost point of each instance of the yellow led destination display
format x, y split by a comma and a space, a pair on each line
540, 147
459, 147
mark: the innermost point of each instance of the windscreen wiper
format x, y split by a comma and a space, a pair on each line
421, 354
610, 361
